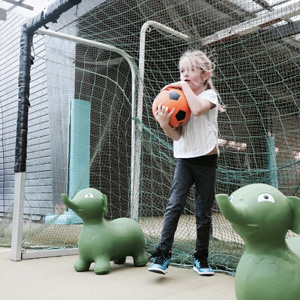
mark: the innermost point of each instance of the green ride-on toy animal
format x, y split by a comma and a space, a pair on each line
101, 241
269, 268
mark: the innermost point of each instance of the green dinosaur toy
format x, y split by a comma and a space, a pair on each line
270, 265
101, 241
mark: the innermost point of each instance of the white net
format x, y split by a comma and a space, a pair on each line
81, 116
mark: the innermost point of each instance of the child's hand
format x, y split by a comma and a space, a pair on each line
162, 116
177, 84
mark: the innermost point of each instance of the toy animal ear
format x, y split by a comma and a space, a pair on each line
105, 208
294, 203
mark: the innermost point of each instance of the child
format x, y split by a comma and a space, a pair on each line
196, 150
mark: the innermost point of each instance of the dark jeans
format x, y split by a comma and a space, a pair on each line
201, 171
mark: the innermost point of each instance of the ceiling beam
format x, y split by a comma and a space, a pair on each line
253, 25
3, 14
263, 3
19, 3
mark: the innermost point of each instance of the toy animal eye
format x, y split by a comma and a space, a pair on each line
231, 198
265, 198
89, 196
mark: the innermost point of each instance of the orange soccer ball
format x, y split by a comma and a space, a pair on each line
173, 98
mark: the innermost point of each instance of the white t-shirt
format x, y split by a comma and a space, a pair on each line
199, 135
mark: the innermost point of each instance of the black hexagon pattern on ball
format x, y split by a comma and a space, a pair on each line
174, 96
180, 115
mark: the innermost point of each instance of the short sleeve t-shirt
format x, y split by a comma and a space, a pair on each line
199, 135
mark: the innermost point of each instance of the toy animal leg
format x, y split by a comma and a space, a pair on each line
140, 259
102, 265
120, 261
82, 265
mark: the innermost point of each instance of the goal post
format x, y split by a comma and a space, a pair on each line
136, 162
17, 254
53, 12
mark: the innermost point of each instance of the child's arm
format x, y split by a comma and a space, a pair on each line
163, 118
197, 107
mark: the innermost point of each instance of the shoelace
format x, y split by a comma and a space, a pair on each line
160, 258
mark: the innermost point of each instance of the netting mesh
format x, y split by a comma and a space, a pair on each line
256, 75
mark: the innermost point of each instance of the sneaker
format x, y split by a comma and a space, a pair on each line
161, 262
201, 265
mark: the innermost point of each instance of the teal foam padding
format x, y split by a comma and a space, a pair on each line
79, 157
272, 165
79, 176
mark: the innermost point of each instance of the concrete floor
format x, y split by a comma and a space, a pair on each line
54, 278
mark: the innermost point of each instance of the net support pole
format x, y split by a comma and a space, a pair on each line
16, 240
138, 143
51, 14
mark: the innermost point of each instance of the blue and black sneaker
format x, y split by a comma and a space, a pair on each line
201, 265
161, 262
